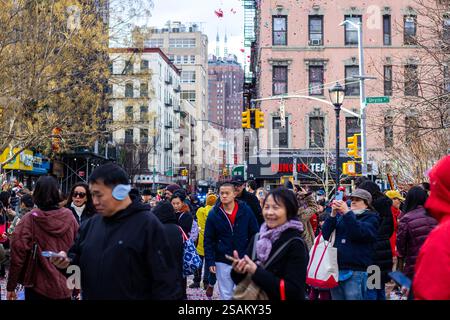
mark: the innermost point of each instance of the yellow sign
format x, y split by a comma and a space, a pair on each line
22, 161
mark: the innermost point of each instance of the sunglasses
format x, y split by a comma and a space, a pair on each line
79, 195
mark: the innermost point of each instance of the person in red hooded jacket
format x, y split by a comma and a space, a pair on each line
432, 274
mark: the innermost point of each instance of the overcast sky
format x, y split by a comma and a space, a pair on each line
203, 11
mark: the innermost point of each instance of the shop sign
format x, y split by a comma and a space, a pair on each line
22, 161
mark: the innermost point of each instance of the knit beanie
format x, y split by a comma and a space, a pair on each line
211, 200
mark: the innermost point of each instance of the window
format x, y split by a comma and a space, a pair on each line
351, 33
279, 80
411, 80
144, 65
128, 67
111, 67
279, 27
192, 59
446, 79
171, 58
185, 59
144, 89
129, 136
410, 28
411, 129
351, 84
182, 43
154, 43
143, 160
446, 30
178, 59
352, 127
281, 135
129, 90
316, 81
188, 77
388, 80
316, 132
387, 41
144, 136
315, 30
129, 113
144, 114
188, 95
388, 131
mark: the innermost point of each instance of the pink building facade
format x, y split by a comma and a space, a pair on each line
301, 49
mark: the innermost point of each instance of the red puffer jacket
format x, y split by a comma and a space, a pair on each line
54, 230
432, 276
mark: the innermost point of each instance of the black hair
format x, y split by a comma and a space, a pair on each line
89, 203
252, 184
287, 198
417, 196
178, 194
27, 200
425, 185
5, 196
134, 194
360, 180
110, 175
373, 189
227, 184
46, 193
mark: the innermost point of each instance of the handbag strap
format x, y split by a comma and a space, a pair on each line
279, 251
254, 246
183, 234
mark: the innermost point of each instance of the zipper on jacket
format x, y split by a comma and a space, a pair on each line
229, 222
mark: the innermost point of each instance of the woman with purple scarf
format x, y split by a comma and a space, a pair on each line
284, 276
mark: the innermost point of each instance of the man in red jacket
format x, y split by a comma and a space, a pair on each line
432, 276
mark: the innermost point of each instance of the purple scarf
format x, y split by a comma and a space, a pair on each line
267, 238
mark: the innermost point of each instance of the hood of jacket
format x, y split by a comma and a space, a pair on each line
438, 203
55, 222
383, 206
134, 207
165, 213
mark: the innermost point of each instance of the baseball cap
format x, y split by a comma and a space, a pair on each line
362, 194
392, 194
238, 180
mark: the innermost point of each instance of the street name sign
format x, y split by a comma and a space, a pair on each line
377, 100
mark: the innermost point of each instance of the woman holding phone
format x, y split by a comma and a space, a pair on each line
46, 228
356, 233
285, 276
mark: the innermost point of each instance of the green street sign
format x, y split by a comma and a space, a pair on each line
238, 170
377, 100
169, 173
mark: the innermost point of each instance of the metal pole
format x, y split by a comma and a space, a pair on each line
337, 108
362, 97
294, 169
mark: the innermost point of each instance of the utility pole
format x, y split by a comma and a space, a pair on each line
294, 168
362, 100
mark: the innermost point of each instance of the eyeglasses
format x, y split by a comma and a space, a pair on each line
79, 195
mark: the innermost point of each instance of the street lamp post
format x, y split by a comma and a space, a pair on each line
337, 95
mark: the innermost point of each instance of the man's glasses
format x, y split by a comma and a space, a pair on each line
79, 195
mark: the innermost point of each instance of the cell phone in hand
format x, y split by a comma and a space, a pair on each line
232, 259
339, 195
51, 254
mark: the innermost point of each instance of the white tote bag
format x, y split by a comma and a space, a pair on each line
323, 271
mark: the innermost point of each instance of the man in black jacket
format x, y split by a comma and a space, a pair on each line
250, 199
123, 251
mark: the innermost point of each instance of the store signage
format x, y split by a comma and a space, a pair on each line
22, 161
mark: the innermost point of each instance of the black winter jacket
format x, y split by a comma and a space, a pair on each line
87, 214
383, 249
290, 265
173, 232
252, 201
125, 257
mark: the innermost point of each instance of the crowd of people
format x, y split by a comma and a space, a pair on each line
132, 245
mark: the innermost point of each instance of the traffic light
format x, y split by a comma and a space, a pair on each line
353, 146
56, 140
259, 119
184, 172
349, 168
246, 124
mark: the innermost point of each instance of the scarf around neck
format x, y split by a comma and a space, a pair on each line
78, 210
267, 238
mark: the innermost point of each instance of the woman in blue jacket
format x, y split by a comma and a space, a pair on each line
356, 233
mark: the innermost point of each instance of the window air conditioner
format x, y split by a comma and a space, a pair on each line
315, 42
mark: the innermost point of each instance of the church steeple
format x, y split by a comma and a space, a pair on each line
217, 44
225, 49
